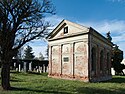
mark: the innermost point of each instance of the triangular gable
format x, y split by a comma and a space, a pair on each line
73, 28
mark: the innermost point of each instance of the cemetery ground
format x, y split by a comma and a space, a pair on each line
35, 83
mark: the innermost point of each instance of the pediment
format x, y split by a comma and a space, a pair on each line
67, 28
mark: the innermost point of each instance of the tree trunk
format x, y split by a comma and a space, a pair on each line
6, 59
5, 75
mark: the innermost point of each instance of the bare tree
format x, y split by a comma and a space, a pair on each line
20, 22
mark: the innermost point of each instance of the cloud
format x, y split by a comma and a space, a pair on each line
119, 38
38, 49
116, 27
117, 0
54, 20
39, 46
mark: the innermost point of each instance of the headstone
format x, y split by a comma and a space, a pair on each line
44, 70
25, 67
124, 71
14, 65
40, 70
22, 70
30, 66
16, 69
112, 71
19, 67
37, 70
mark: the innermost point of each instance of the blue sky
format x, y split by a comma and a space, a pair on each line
90, 10
102, 15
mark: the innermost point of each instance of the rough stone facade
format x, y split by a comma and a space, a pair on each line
79, 52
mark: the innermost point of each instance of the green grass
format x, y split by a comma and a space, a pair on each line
29, 83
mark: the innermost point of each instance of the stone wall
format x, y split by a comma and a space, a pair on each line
70, 60
103, 50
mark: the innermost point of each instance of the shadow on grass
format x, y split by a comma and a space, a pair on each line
16, 80
30, 72
117, 79
38, 91
36, 73
89, 90
14, 72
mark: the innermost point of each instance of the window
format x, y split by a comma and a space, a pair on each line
66, 59
108, 61
101, 60
65, 30
93, 60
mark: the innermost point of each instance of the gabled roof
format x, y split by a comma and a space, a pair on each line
62, 24
83, 30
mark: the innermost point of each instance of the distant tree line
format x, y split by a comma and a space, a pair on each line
28, 54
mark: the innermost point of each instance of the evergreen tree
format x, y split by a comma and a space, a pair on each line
28, 54
117, 57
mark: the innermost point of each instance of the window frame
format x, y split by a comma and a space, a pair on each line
66, 30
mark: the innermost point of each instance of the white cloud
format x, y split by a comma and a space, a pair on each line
119, 38
116, 27
120, 41
117, 0
38, 49
54, 20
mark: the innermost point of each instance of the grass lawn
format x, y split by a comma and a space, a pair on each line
23, 83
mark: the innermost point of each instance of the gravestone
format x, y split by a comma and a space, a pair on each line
25, 67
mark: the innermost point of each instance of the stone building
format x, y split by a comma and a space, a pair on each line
79, 52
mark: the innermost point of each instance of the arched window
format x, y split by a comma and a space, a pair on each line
93, 59
101, 60
108, 61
